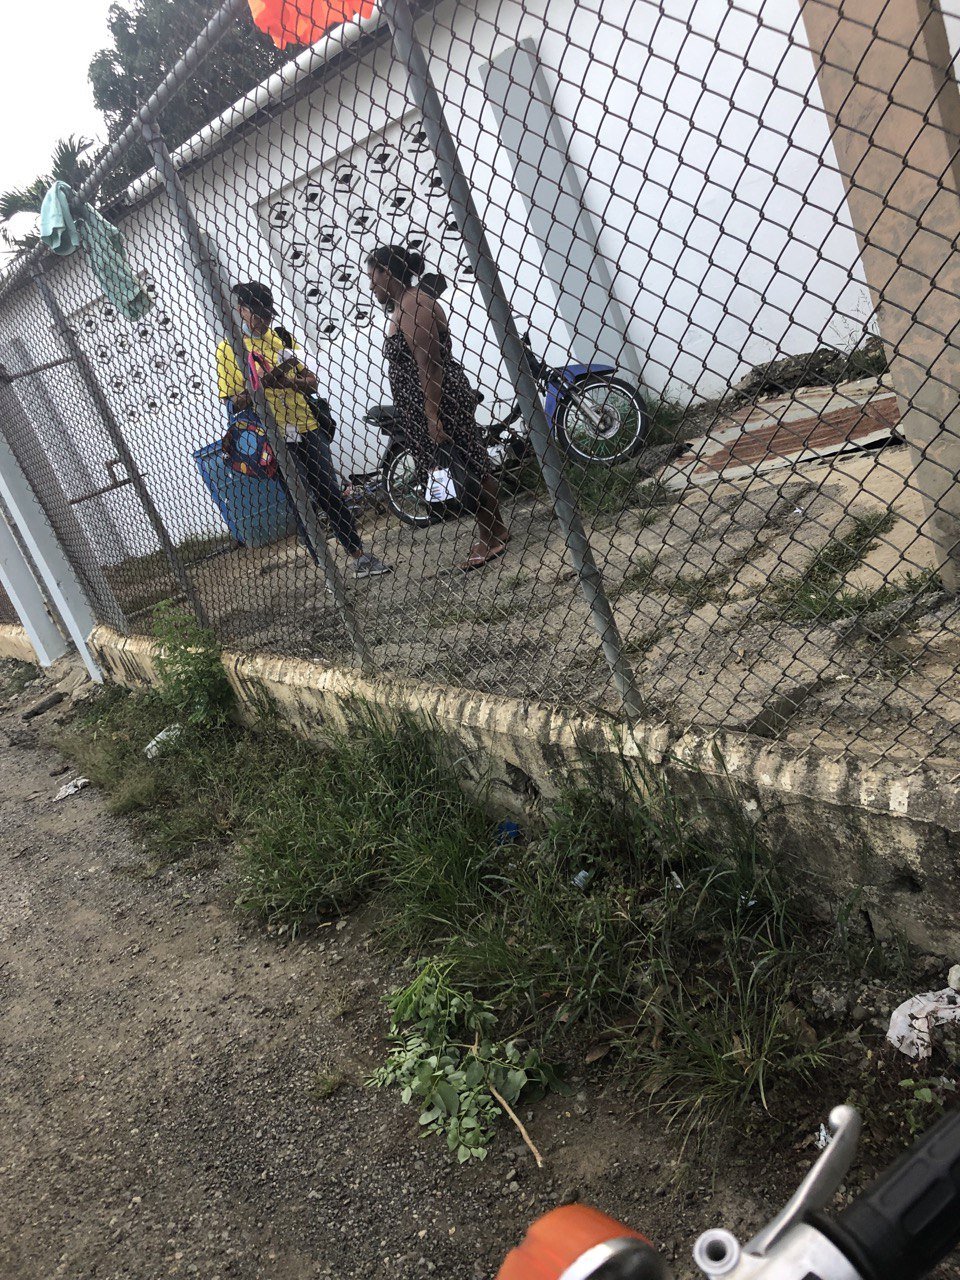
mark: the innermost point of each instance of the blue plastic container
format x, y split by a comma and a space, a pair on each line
255, 511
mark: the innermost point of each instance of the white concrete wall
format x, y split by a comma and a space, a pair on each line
696, 132
158, 376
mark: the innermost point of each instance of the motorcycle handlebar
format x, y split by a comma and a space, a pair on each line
909, 1220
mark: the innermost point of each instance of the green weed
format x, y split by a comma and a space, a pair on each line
926, 1101
698, 589
816, 594
324, 1086
381, 807
443, 1055
665, 926
606, 492
668, 418
639, 577
192, 685
640, 644
456, 615
15, 676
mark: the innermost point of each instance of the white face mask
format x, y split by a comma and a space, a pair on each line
246, 328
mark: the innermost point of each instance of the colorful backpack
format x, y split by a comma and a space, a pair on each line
245, 447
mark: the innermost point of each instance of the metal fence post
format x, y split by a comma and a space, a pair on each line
123, 451
20, 584
217, 288
60, 579
409, 51
885, 74
26, 447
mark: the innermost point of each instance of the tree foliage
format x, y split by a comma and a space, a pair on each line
148, 38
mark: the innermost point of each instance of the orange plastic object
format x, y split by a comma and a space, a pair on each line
304, 21
557, 1239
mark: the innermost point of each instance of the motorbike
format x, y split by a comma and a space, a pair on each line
596, 416
898, 1229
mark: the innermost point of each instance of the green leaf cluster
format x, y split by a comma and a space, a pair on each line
445, 1056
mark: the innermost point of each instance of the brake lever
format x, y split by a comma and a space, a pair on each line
718, 1252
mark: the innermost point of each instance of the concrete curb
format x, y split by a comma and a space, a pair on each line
888, 841
15, 643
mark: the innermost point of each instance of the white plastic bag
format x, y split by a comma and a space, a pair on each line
440, 486
912, 1022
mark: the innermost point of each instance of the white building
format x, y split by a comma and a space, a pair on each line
656, 179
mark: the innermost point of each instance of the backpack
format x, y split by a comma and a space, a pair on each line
245, 447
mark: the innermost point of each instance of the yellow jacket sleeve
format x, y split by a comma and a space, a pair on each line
230, 381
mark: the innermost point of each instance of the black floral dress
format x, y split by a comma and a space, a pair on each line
458, 404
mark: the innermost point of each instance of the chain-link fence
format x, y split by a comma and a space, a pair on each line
637, 322
8, 613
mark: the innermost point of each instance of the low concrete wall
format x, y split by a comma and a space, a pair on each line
15, 643
890, 840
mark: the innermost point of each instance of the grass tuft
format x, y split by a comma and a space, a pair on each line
816, 593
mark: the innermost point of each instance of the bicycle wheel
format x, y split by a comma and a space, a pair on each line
405, 490
611, 425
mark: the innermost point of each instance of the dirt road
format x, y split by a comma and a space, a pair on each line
181, 1096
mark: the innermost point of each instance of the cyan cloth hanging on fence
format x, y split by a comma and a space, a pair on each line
58, 228
68, 223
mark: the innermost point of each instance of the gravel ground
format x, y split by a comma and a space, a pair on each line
165, 1077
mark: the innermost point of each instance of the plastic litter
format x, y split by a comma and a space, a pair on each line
170, 734
912, 1023
441, 486
71, 788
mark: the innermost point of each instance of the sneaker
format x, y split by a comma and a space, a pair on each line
368, 566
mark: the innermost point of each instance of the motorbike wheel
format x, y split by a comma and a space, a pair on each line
623, 421
405, 491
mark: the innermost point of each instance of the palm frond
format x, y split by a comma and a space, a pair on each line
69, 163
23, 199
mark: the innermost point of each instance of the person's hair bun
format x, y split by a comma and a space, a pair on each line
401, 262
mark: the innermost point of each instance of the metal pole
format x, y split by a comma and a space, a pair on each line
123, 452
65, 437
407, 47
217, 288
18, 580
178, 75
26, 447
58, 575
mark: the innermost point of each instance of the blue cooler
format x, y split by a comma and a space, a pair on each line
255, 511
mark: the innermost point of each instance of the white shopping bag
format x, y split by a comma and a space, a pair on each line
440, 486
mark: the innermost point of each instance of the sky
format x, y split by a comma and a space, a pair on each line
44, 92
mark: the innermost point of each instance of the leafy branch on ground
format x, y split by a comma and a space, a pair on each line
443, 1056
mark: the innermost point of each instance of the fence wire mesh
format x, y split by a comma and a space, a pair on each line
740, 304
8, 614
